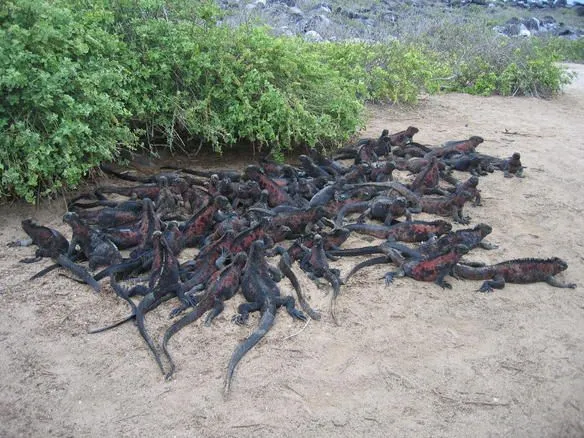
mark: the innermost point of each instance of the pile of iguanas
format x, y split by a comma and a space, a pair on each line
250, 228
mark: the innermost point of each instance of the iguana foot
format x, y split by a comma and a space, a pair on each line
445, 285
485, 288
177, 311
239, 319
389, 278
295, 313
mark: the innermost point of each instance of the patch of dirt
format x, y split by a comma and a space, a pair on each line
408, 360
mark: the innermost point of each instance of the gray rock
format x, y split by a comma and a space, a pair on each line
531, 24
313, 36
322, 8
290, 3
297, 12
316, 23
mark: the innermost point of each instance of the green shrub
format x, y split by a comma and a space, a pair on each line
565, 49
391, 71
485, 62
62, 111
221, 86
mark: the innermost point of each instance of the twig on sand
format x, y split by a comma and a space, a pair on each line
246, 426
507, 132
299, 331
493, 402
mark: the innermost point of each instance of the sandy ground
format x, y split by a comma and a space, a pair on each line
409, 360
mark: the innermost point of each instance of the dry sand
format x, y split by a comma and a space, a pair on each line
408, 360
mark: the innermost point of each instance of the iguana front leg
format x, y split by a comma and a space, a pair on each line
440, 280
552, 281
458, 217
389, 276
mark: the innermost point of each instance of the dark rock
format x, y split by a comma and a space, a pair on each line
317, 23
532, 24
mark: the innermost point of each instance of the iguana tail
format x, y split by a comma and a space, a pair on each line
173, 329
266, 322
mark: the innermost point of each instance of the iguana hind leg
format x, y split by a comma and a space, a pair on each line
243, 312
290, 303
497, 282
215, 311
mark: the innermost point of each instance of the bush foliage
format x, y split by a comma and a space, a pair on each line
63, 107
82, 80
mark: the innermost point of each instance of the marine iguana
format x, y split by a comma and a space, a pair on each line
453, 147
311, 169
402, 138
277, 195
423, 269
512, 166
431, 269
222, 286
262, 294
428, 179
380, 208
164, 283
529, 270
285, 266
140, 234
51, 244
97, 248
380, 146
432, 247
195, 230
383, 172
414, 231
110, 217
453, 204
315, 265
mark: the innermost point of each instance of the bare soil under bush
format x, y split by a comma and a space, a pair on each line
408, 360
